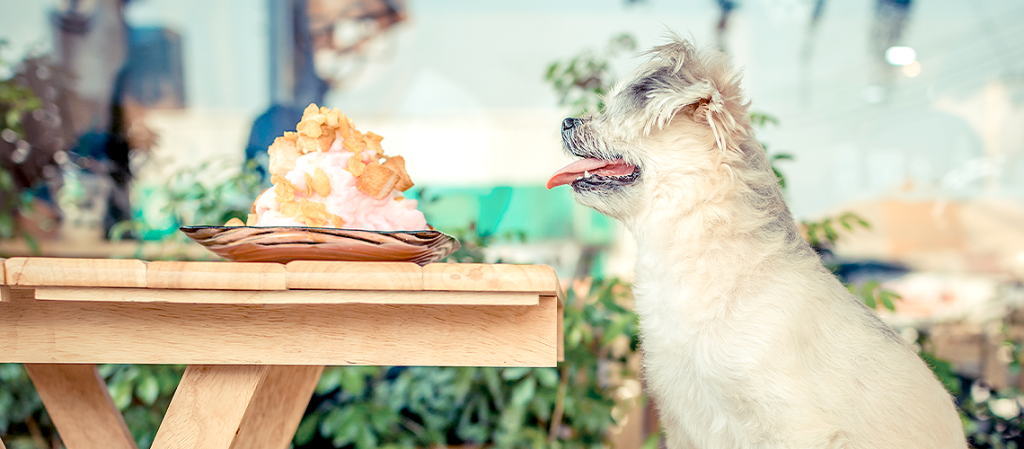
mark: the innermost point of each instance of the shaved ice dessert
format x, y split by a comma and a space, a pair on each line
329, 174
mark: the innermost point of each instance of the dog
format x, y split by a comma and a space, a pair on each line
748, 341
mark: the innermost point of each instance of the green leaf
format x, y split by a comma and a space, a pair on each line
342, 425
494, 387
869, 298
943, 371
353, 381
121, 393
367, 439
523, 392
383, 419
13, 118
830, 232
886, 297
514, 373
329, 380
306, 430
547, 377
148, 390
474, 422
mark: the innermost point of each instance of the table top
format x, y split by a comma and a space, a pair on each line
67, 310
68, 275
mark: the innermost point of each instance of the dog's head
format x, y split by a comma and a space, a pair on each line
674, 129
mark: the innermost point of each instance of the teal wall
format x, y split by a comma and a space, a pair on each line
535, 211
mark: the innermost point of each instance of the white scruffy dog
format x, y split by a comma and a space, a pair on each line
748, 341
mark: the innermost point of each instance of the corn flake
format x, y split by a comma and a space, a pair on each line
289, 209
355, 165
313, 213
319, 182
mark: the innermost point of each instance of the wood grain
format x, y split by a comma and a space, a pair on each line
33, 271
143, 295
10, 293
216, 275
490, 277
77, 400
277, 407
329, 334
3, 281
322, 275
208, 407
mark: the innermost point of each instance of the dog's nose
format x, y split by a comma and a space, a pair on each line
568, 124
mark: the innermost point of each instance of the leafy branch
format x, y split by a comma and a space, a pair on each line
583, 80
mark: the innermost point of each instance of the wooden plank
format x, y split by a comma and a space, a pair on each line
208, 406
33, 271
10, 293
3, 281
490, 277
77, 400
144, 295
216, 275
324, 275
328, 334
277, 407
560, 333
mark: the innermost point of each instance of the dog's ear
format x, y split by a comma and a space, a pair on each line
727, 121
701, 84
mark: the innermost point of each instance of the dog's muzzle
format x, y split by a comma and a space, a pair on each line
593, 172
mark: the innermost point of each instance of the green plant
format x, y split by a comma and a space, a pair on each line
210, 194
16, 100
213, 193
141, 392
23, 422
873, 295
567, 407
582, 80
822, 234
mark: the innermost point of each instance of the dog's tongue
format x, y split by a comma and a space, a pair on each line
602, 167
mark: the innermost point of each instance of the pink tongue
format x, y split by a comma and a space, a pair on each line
571, 172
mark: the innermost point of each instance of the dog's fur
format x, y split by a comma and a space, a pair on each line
748, 341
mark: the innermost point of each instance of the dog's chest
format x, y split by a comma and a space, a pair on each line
678, 323
701, 365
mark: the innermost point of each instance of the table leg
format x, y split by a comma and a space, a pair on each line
77, 400
237, 406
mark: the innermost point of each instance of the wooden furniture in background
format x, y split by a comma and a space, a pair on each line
256, 335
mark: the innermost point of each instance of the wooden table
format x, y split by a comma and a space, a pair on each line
256, 336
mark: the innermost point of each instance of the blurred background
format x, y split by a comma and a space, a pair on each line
896, 126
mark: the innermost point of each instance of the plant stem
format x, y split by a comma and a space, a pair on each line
37, 434
556, 415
